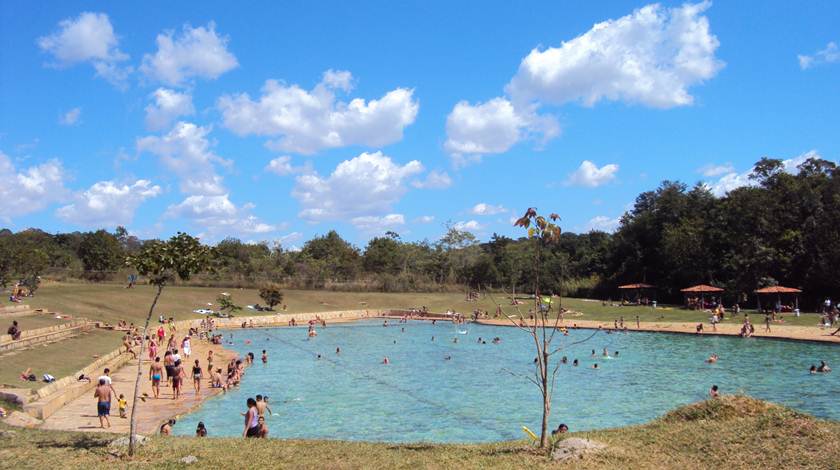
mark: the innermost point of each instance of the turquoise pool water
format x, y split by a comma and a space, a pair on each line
474, 397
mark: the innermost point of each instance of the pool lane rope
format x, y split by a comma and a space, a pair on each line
476, 420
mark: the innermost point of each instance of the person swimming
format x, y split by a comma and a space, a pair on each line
813, 369
616, 354
606, 353
593, 353
713, 392
595, 366
564, 360
823, 367
575, 363
712, 359
338, 350
385, 360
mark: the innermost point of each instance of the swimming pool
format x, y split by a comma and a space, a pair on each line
475, 396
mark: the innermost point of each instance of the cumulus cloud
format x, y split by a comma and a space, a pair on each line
31, 189
196, 52
588, 174
434, 180
734, 180
219, 215
468, 226
493, 127
425, 219
375, 224
167, 107
88, 38
107, 204
305, 122
70, 118
603, 223
487, 209
651, 57
186, 152
712, 170
829, 55
369, 184
282, 166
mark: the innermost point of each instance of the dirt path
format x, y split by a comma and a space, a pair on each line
80, 414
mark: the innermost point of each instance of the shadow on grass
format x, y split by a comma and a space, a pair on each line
75, 443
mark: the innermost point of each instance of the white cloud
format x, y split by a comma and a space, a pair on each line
487, 209
197, 52
375, 224
712, 170
108, 204
290, 238
168, 106
185, 151
219, 215
425, 219
734, 180
88, 38
603, 223
468, 226
70, 118
829, 55
309, 121
493, 127
31, 189
434, 180
588, 174
282, 166
651, 56
369, 184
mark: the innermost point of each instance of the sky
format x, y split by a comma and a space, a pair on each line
279, 121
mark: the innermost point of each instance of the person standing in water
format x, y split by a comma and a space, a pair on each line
251, 420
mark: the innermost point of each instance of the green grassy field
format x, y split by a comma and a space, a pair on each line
731, 432
59, 359
111, 303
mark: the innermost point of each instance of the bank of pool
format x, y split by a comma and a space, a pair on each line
442, 391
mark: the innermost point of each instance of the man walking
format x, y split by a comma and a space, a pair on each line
103, 402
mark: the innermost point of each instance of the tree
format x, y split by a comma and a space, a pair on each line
542, 233
99, 252
161, 263
271, 295
225, 302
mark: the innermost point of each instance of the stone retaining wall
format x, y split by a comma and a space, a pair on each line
43, 335
51, 397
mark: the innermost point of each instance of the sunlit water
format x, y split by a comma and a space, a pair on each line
481, 395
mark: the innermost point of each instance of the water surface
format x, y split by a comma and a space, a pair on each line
481, 394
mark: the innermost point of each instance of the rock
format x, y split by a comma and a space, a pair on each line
18, 418
124, 441
189, 459
7, 433
574, 447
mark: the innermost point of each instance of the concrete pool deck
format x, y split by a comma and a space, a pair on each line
778, 331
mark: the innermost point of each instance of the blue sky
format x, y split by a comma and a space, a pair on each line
283, 120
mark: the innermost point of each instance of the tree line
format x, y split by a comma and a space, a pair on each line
779, 229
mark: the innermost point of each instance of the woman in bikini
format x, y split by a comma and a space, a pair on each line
197, 376
177, 379
152, 348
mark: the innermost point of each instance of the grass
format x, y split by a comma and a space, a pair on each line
732, 432
59, 359
37, 320
111, 303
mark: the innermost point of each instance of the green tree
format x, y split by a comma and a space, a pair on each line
181, 257
226, 304
271, 295
100, 252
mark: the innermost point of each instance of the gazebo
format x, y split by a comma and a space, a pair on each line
639, 290
778, 291
702, 290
